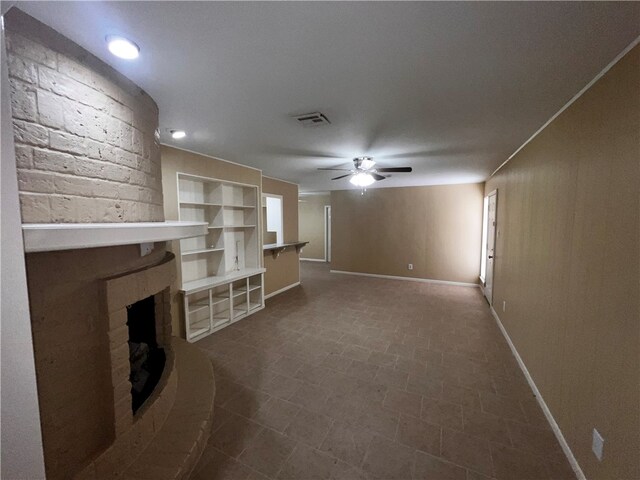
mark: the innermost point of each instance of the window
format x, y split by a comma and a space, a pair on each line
272, 206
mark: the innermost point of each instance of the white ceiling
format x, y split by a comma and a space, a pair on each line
450, 89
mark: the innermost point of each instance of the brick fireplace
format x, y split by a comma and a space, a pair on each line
87, 151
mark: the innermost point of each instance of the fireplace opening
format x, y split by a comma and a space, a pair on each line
145, 357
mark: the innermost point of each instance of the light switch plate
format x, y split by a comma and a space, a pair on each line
597, 445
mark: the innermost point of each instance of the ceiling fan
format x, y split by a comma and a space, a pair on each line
364, 172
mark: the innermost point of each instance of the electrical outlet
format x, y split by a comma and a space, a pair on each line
597, 445
410, 266
504, 305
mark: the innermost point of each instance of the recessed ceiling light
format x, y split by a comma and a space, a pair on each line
178, 134
122, 47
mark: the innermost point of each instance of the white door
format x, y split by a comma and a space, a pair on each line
327, 233
491, 245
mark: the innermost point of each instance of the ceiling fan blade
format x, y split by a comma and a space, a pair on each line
376, 176
341, 176
345, 169
395, 169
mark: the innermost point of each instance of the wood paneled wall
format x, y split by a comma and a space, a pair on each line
567, 266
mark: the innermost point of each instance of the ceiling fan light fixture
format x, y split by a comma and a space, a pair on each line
366, 163
362, 180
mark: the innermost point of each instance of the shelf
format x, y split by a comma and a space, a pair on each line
251, 288
213, 281
219, 299
239, 206
203, 250
243, 308
200, 204
223, 315
199, 327
220, 321
239, 226
48, 237
214, 227
277, 248
196, 307
239, 292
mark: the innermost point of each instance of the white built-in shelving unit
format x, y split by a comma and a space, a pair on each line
222, 275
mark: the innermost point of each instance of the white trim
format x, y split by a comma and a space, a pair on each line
280, 180
313, 260
282, 290
209, 156
547, 413
47, 237
410, 279
570, 102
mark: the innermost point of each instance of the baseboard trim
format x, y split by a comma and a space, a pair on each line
545, 409
288, 287
409, 279
313, 260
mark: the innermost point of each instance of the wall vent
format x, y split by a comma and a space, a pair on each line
312, 119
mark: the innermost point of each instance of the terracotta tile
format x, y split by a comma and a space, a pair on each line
267, 452
336, 362
312, 373
424, 385
276, 414
428, 467
281, 386
441, 413
382, 359
467, 451
465, 397
234, 435
376, 418
401, 350
311, 464
403, 402
503, 406
312, 397
391, 378
411, 366
362, 370
220, 466
486, 426
536, 440
246, 402
309, 427
355, 352
347, 442
388, 460
419, 435
286, 366
510, 463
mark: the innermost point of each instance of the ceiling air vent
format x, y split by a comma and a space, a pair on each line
312, 119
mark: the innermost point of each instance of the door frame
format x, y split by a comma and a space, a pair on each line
327, 233
493, 193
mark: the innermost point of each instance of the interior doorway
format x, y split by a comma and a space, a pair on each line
489, 244
327, 233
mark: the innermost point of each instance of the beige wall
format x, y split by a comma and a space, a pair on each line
175, 160
567, 265
311, 219
437, 229
284, 270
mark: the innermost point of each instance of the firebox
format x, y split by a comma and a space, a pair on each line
146, 358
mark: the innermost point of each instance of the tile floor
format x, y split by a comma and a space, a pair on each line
352, 377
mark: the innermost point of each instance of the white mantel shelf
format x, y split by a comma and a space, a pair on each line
48, 237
